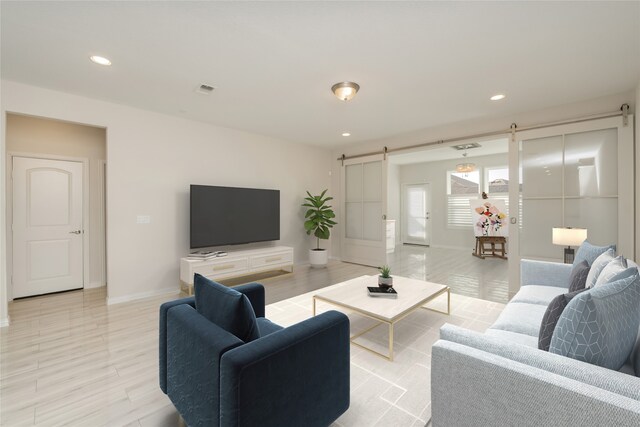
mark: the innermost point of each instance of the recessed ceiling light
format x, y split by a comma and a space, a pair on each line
346, 134
101, 60
497, 97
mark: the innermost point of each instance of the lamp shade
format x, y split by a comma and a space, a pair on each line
566, 236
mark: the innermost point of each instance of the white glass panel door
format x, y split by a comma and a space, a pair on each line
364, 200
416, 218
577, 175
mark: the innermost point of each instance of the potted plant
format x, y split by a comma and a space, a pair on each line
319, 221
385, 280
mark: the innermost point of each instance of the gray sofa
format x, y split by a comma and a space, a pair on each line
500, 378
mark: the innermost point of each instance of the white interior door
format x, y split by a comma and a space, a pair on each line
364, 201
47, 226
574, 175
416, 220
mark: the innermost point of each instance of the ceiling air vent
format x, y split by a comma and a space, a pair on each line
205, 89
466, 146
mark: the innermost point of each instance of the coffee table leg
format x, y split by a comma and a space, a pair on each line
391, 342
314, 306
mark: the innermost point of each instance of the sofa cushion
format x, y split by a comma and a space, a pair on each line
589, 252
534, 294
226, 307
513, 337
635, 356
597, 266
600, 326
266, 326
551, 317
578, 278
611, 272
522, 318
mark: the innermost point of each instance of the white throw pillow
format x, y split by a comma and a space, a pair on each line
618, 265
598, 265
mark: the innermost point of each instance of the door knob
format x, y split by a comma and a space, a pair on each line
75, 232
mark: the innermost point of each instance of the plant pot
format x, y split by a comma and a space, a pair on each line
318, 258
385, 282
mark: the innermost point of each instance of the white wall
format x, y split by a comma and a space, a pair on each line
33, 135
393, 197
455, 130
435, 173
152, 158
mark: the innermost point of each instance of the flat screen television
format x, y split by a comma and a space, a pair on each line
232, 216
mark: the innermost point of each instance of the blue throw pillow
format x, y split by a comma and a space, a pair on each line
597, 266
600, 326
226, 307
588, 252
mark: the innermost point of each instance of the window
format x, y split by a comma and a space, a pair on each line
461, 187
496, 184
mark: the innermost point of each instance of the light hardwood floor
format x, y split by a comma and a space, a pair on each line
69, 359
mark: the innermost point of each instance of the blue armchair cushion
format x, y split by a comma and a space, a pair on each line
597, 266
226, 307
578, 278
589, 252
600, 326
551, 317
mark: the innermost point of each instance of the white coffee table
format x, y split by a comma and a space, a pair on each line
412, 295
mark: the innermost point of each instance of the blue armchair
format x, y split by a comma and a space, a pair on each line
295, 376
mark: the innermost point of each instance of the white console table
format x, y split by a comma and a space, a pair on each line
236, 264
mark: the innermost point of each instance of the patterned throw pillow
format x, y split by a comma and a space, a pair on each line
578, 278
588, 252
597, 266
552, 315
600, 326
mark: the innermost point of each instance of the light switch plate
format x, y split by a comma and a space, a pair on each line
143, 219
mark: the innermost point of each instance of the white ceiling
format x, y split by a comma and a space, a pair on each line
497, 146
419, 64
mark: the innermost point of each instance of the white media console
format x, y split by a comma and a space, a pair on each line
237, 264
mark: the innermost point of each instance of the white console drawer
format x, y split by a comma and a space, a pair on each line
222, 267
271, 259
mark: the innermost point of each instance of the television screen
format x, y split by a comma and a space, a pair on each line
231, 216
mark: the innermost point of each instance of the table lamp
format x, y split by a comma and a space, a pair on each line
567, 236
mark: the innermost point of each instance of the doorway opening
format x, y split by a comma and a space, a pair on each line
56, 216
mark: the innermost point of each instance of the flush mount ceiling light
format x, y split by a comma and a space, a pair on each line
100, 60
346, 134
345, 91
498, 97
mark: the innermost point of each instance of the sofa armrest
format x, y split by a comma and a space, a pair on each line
162, 339
544, 273
194, 348
298, 376
597, 376
471, 387
255, 293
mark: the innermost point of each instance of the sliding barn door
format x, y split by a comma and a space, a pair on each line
364, 202
576, 175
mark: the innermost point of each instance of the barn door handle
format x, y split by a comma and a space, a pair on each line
75, 232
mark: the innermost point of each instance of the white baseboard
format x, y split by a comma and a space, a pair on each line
4, 322
451, 247
141, 295
94, 285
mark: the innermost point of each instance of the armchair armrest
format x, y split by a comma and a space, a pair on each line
162, 341
297, 376
544, 273
255, 293
194, 348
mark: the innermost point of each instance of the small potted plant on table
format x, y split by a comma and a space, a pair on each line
385, 281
